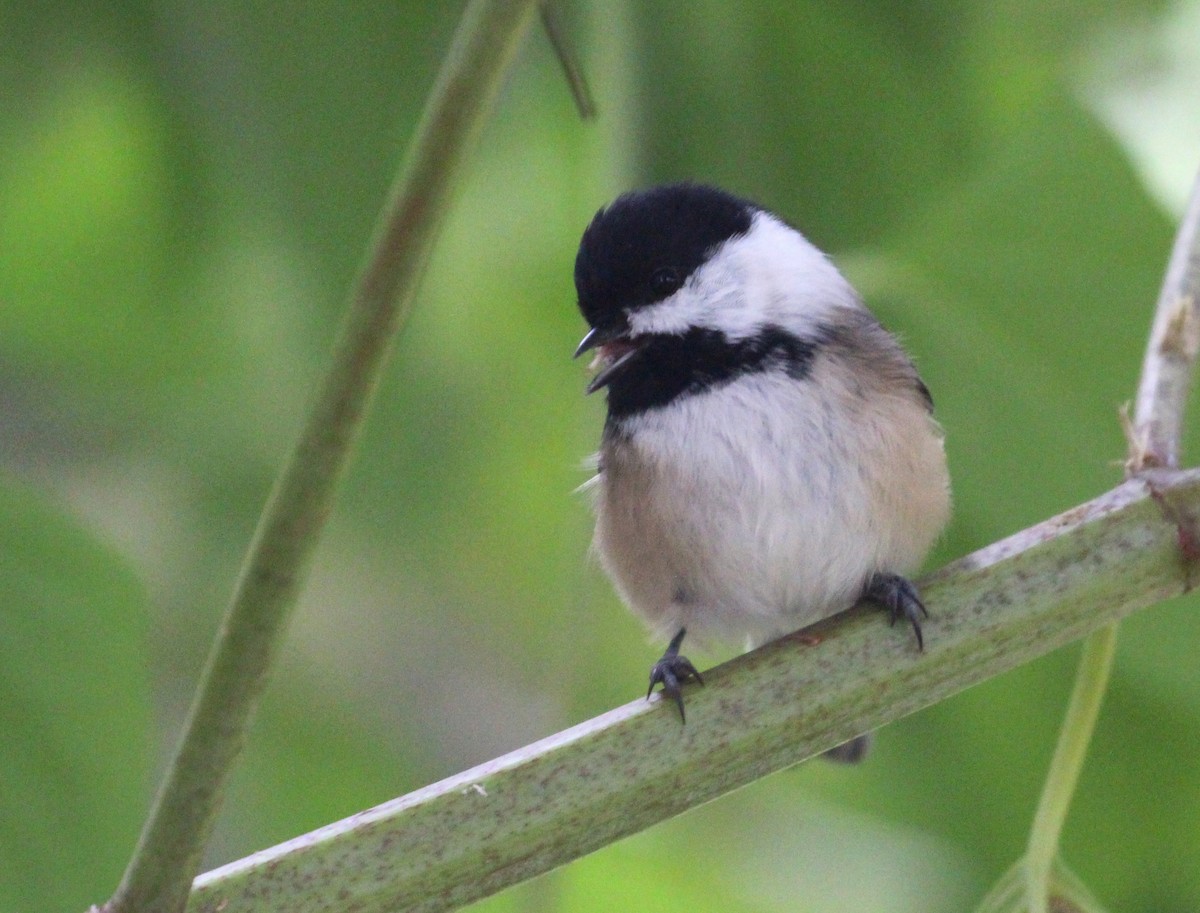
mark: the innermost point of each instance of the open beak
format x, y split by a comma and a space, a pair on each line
597, 336
614, 350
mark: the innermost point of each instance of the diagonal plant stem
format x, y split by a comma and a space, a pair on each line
523, 814
572, 70
1155, 435
168, 854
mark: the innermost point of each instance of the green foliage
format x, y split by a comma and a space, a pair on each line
185, 194
75, 752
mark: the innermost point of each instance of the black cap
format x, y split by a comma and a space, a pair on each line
643, 246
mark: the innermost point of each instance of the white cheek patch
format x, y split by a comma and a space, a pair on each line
769, 276
670, 318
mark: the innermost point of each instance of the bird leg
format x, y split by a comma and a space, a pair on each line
671, 671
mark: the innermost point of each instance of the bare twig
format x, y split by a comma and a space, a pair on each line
1157, 427
523, 814
168, 854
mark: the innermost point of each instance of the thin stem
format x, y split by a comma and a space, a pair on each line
1091, 682
168, 854
577, 82
1157, 428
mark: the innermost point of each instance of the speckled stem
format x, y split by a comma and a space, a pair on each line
168, 854
541, 806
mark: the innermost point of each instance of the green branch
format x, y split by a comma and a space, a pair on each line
172, 842
523, 814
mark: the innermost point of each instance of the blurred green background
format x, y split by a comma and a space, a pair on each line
186, 191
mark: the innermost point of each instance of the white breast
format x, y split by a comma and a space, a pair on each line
765, 504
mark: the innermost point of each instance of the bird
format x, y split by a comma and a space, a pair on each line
769, 456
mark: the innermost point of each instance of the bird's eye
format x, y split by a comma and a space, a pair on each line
664, 281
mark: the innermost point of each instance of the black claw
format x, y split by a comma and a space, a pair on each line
672, 671
901, 600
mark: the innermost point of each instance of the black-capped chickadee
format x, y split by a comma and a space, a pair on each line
770, 455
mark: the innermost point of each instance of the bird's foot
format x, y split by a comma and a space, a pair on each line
901, 600
672, 671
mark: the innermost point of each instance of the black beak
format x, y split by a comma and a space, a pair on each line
607, 374
598, 336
